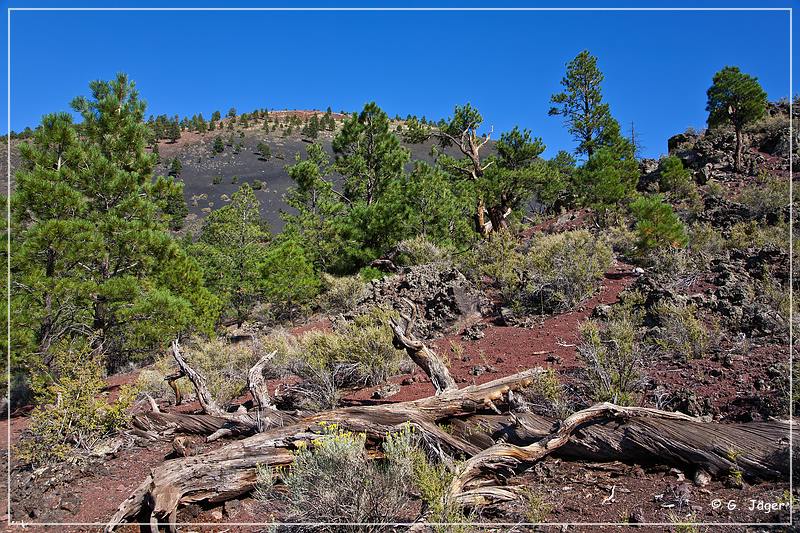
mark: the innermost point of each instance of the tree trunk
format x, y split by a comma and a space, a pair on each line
737, 162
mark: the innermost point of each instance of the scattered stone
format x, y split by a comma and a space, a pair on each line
443, 295
553, 358
385, 391
474, 332
216, 514
231, 506
477, 370
637, 517
701, 478
602, 311
70, 503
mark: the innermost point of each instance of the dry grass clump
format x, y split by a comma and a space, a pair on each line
680, 331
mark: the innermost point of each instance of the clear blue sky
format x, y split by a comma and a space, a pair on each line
657, 65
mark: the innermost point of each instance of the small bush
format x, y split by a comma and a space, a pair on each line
419, 251
216, 180
613, 360
560, 271
744, 235
537, 509
498, 259
657, 225
705, 241
333, 480
71, 416
767, 197
257, 185
341, 295
715, 189
622, 240
357, 353
674, 177
223, 365
369, 273
680, 331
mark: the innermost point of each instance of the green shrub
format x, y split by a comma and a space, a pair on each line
767, 196
749, 234
257, 185
705, 241
613, 362
680, 331
674, 178
71, 416
497, 258
419, 251
559, 271
333, 480
219, 146
290, 282
657, 225
369, 273
357, 353
341, 295
216, 180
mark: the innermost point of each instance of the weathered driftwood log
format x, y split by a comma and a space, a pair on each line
607, 432
424, 357
496, 444
231, 470
214, 421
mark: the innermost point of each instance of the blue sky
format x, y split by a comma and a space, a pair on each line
657, 65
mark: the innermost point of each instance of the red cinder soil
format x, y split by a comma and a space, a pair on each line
506, 350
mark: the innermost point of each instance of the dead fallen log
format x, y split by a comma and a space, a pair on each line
230, 471
607, 432
423, 356
495, 444
214, 421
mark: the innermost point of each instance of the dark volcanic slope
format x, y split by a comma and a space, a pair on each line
200, 165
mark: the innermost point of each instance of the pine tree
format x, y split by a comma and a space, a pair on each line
175, 167
231, 249
581, 103
735, 98
264, 150
174, 131
657, 225
311, 129
216, 116
91, 245
219, 146
368, 154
